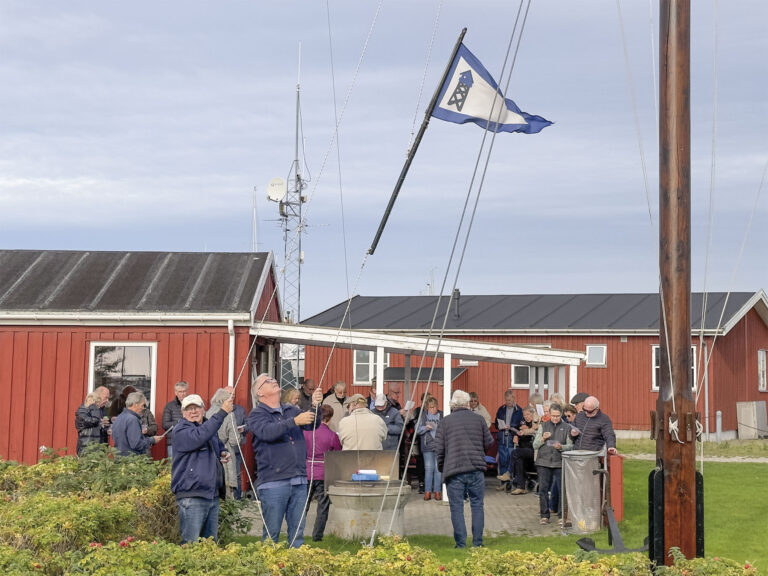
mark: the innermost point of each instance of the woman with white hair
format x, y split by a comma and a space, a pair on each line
229, 436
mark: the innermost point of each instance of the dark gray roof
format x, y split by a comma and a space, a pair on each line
178, 282
395, 374
530, 312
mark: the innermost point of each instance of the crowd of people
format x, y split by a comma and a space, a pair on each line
292, 430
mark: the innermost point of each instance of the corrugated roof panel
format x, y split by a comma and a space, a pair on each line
129, 281
550, 312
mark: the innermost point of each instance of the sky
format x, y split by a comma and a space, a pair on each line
147, 125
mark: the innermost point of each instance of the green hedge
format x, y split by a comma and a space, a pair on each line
101, 515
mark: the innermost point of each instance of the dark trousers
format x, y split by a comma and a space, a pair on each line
547, 478
456, 486
317, 491
522, 460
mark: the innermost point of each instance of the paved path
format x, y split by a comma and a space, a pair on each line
504, 513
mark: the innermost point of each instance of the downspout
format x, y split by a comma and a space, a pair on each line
231, 371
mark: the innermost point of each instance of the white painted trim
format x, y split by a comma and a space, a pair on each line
573, 385
132, 343
401, 344
380, 370
602, 364
121, 319
759, 296
231, 365
447, 392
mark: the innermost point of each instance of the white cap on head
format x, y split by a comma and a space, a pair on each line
381, 400
192, 399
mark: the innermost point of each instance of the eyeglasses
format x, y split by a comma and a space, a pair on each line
590, 411
266, 381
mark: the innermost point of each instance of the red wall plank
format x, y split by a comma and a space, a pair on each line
32, 404
6, 386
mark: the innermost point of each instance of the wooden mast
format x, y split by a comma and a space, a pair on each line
675, 453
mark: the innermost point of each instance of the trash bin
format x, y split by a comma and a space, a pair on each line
581, 490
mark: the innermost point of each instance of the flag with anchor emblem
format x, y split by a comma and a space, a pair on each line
470, 94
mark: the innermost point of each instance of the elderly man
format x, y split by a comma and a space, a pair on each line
393, 396
336, 402
91, 420
578, 401
305, 394
362, 429
477, 408
126, 429
195, 480
509, 416
391, 417
551, 441
593, 429
281, 457
239, 413
461, 441
172, 412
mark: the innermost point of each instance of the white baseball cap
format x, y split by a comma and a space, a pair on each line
192, 399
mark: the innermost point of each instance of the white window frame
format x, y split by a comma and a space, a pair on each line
654, 367
371, 366
530, 375
604, 362
762, 377
133, 343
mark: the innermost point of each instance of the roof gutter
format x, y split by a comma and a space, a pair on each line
123, 319
231, 371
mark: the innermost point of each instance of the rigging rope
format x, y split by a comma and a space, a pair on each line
466, 239
424, 76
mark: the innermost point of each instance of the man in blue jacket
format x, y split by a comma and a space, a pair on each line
197, 477
281, 458
126, 429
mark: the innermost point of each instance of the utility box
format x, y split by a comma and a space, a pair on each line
752, 420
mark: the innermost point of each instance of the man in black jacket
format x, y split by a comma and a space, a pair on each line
172, 413
461, 442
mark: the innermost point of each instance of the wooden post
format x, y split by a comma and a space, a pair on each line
675, 453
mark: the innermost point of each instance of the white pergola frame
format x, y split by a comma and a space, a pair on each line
449, 348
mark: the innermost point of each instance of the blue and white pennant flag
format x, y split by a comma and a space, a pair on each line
468, 95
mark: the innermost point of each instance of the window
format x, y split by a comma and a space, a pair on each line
523, 376
596, 354
119, 364
761, 375
657, 367
364, 368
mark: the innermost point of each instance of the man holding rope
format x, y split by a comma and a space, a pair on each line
281, 458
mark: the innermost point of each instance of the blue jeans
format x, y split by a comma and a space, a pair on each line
472, 483
433, 481
198, 518
506, 447
547, 477
280, 502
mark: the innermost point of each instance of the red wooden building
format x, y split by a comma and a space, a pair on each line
70, 321
618, 333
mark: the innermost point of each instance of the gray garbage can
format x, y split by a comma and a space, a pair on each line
581, 490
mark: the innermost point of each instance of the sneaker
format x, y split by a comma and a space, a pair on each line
500, 487
519, 491
504, 477
544, 521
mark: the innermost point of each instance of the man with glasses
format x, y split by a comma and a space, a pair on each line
593, 429
126, 429
172, 413
477, 408
280, 452
551, 441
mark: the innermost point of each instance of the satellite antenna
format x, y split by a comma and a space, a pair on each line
276, 189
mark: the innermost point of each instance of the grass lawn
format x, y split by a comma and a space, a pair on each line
731, 448
735, 508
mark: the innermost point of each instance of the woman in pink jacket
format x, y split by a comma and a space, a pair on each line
320, 441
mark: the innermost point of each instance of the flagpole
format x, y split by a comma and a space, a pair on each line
415, 147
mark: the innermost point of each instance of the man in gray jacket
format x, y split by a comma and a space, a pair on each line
461, 442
